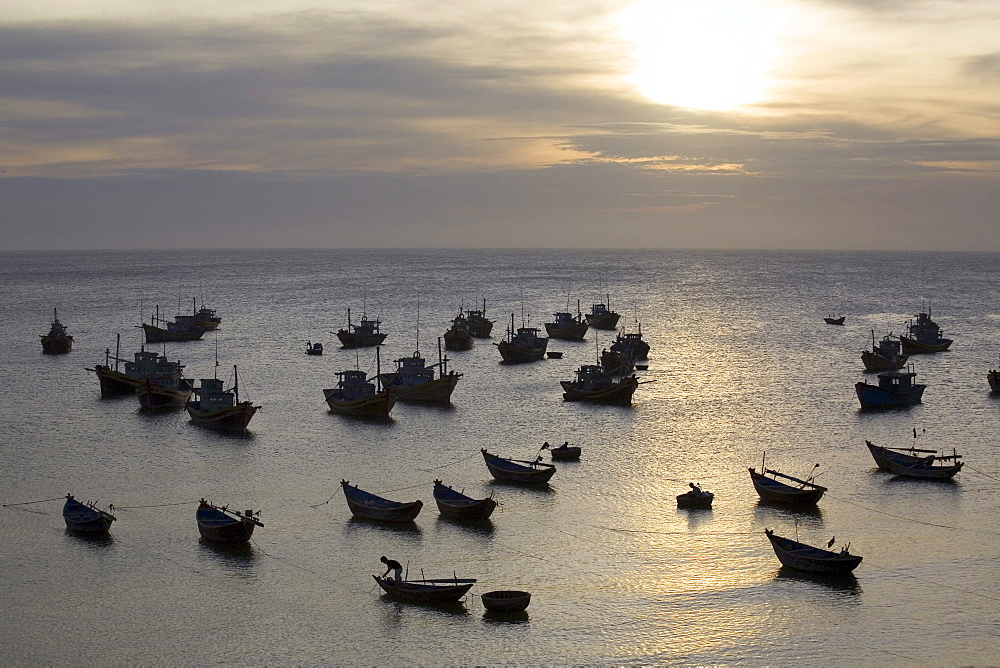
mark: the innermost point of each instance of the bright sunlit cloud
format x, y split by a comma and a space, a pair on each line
703, 54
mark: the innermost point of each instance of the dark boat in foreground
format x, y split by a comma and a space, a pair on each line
218, 524
803, 493
86, 517
518, 470
457, 506
810, 559
57, 341
696, 497
593, 384
116, 383
895, 389
221, 409
165, 387
443, 590
367, 506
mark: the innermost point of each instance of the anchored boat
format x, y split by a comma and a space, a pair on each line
367, 506
459, 336
795, 492
221, 409
479, 325
924, 336
811, 559
895, 389
414, 381
86, 517
441, 590
593, 384
886, 355
364, 334
457, 506
602, 317
518, 470
57, 341
218, 524
522, 345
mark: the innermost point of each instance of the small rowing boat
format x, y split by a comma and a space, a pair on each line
811, 559
218, 524
518, 470
367, 506
442, 590
455, 505
86, 517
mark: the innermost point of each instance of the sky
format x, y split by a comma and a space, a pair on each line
826, 124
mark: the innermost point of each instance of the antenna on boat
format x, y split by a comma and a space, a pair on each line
215, 372
418, 325
118, 347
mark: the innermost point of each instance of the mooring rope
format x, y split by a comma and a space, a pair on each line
28, 503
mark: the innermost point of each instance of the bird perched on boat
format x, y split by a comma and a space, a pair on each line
832, 541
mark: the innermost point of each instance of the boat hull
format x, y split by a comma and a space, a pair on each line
367, 506
873, 396
433, 391
352, 340
153, 397
772, 491
695, 500
617, 394
513, 354
603, 321
56, 345
567, 454
506, 470
217, 527
922, 469
876, 362
993, 378
160, 335
233, 419
425, 592
456, 506
506, 602
377, 405
810, 559
834, 321
458, 340
115, 383
481, 329
574, 332
83, 519
912, 346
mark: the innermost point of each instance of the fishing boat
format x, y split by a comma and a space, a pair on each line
165, 392
454, 505
458, 336
367, 506
924, 336
804, 557
86, 517
119, 383
518, 470
618, 363
772, 490
57, 341
314, 348
221, 409
218, 524
696, 497
993, 378
564, 452
357, 396
894, 389
479, 325
602, 317
506, 601
886, 355
931, 467
441, 590
161, 330
364, 334
593, 384
631, 344
522, 345
207, 318
830, 320
881, 454
414, 381
566, 326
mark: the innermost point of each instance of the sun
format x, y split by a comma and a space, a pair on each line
703, 54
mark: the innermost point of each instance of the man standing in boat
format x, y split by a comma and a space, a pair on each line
393, 565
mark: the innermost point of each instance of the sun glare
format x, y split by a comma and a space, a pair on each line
704, 54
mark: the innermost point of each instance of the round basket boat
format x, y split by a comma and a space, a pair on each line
506, 601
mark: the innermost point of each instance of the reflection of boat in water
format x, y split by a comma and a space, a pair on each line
886, 355
364, 334
457, 506
772, 490
518, 470
458, 336
57, 341
894, 389
414, 381
522, 345
594, 385
221, 409
602, 317
810, 559
86, 517
218, 524
924, 336
367, 506
442, 590
479, 325
696, 497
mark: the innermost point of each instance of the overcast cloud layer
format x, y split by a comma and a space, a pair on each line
132, 125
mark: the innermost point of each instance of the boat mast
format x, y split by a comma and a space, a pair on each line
118, 347
442, 361
236, 384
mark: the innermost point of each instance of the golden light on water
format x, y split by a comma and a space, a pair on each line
714, 54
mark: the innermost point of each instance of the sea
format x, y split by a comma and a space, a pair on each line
743, 371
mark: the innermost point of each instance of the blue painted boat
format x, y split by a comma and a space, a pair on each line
518, 470
367, 506
86, 517
218, 524
772, 490
894, 389
457, 506
924, 336
441, 590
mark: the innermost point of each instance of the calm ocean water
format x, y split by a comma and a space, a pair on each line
741, 361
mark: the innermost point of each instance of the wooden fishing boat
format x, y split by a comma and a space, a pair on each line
882, 454
830, 320
567, 326
57, 341
207, 318
931, 467
594, 385
161, 330
618, 363
602, 317
631, 344
458, 336
314, 348
507, 601
442, 590
518, 470
414, 381
457, 506
696, 497
564, 452
364, 334
367, 506
993, 378
221, 409
924, 336
810, 559
164, 393
86, 517
218, 524
772, 490
886, 355
119, 383
356, 395
895, 389
479, 325
522, 345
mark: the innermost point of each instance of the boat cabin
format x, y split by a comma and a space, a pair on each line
213, 395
